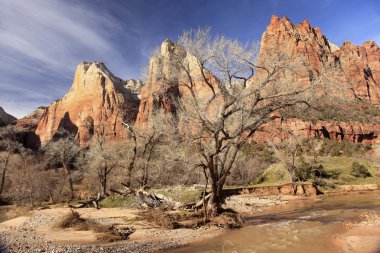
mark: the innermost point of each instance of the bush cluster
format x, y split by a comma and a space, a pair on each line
360, 170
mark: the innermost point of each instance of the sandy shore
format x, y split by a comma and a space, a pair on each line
35, 233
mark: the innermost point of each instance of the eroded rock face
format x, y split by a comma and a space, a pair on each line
338, 131
97, 102
159, 93
5, 118
353, 66
27, 126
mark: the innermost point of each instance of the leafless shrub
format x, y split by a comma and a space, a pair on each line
246, 170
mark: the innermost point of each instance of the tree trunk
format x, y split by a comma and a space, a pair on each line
70, 180
131, 164
216, 199
3, 173
103, 183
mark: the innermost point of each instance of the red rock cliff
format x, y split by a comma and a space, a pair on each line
333, 130
96, 99
355, 66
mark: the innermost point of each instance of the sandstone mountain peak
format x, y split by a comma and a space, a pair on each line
370, 44
96, 99
354, 66
5, 118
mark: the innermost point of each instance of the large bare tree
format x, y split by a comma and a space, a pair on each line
226, 96
64, 150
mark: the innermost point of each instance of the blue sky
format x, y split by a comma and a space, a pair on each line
42, 41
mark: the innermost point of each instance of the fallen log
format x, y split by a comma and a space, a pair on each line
89, 203
200, 202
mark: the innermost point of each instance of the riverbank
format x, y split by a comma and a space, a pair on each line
36, 231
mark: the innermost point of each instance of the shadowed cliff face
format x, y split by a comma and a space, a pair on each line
5, 118
96, 100
357, 67
27, 126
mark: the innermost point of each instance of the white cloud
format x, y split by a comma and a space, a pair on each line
46, 39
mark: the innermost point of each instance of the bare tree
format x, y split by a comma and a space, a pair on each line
287, 151
221, 111
103, 157
144, 143
65, 150
9, 147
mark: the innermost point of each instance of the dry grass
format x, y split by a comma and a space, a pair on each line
74, 221
161, 218
173, 220
228, 219
103, 233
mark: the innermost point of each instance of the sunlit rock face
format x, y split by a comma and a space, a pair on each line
165, 82
157, 94
5, 118
96, 103
332, 130
354, 66
98, 100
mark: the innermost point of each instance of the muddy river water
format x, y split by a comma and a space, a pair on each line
301, 226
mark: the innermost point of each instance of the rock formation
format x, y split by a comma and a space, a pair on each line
27, 126
5, 118
338, 131
159, 93
357, 67
97, 103
98, 100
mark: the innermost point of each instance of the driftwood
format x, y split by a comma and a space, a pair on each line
153, 200
94, 202
199, 204
124, 192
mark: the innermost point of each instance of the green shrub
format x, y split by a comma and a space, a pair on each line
117, 201
343, 148
309, 171
359, 170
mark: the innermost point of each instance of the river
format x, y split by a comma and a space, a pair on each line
300, 226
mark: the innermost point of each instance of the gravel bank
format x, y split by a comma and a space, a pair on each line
34, 235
